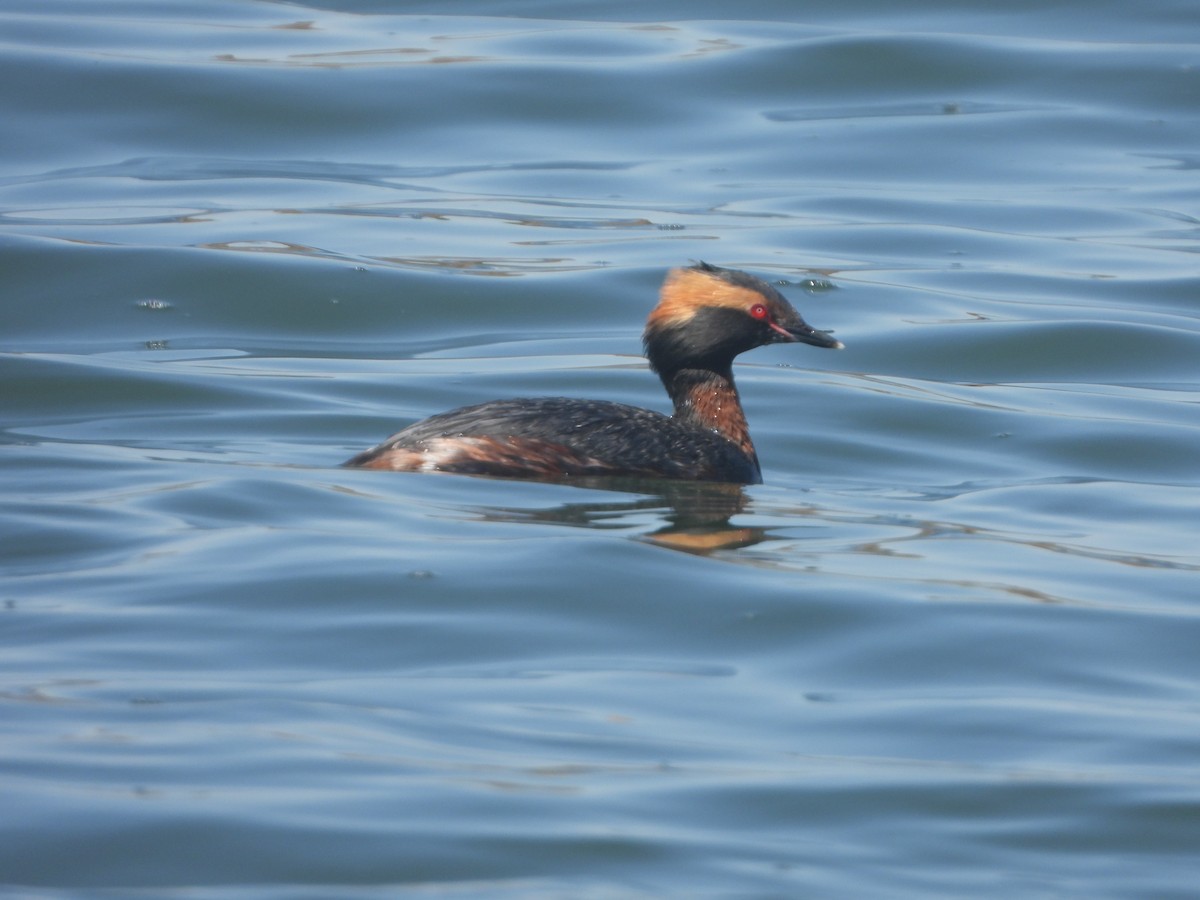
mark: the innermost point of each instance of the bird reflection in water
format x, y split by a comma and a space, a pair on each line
697, 514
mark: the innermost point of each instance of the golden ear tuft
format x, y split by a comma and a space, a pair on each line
686, 291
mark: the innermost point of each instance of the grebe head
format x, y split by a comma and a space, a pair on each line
707, 315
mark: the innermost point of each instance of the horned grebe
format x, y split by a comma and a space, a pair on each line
706, 316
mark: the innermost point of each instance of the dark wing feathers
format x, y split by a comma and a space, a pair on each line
597, 437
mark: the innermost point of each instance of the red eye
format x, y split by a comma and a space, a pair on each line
758, 311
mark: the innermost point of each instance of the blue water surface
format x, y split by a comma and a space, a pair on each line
949, 648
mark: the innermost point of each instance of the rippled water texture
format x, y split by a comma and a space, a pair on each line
949, 648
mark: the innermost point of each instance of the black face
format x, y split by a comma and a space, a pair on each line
784, 323
715, 314
716, 334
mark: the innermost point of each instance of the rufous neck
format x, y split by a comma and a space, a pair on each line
710, 399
